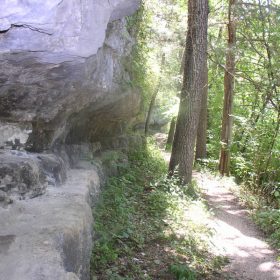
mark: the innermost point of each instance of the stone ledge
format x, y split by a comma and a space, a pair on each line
50, 237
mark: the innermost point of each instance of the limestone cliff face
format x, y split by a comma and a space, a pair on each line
62, 69
65, 94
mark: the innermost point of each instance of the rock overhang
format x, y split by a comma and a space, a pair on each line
68, 28
60, 59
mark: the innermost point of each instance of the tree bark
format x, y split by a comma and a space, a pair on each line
201, 140
171, 134
191, 95
226, 134
154, 96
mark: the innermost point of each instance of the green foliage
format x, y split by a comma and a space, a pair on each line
169, 24
255, 148
207, 164
142, 76
256, 143
182, 272
159, 28
110, 158
269, 221
140, 215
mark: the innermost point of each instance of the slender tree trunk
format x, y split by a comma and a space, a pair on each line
151, 106
201, 140
154, 96
226, 134
191, 95
171, 134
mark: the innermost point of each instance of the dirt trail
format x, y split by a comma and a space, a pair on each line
236, 236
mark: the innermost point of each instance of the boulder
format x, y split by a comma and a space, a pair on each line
26, 175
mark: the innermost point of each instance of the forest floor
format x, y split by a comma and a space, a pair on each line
235, 235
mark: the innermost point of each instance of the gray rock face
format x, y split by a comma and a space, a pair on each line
62, 66
65, 95
69, 27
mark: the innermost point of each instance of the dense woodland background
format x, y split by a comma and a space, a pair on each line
255, 145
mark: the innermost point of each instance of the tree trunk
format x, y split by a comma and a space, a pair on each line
201, 140
226, 134
154, 96
171, 134
191, 95
151, 106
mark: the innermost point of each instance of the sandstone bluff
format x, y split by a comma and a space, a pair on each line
66, 97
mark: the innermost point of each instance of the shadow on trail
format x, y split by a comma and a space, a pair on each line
226, 209
237, 236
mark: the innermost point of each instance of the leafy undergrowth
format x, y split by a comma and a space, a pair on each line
269, 221
148, 227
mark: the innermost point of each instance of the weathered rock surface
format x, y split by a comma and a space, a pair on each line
50, 237
68, 27
66, 94
62, 64
24, 175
